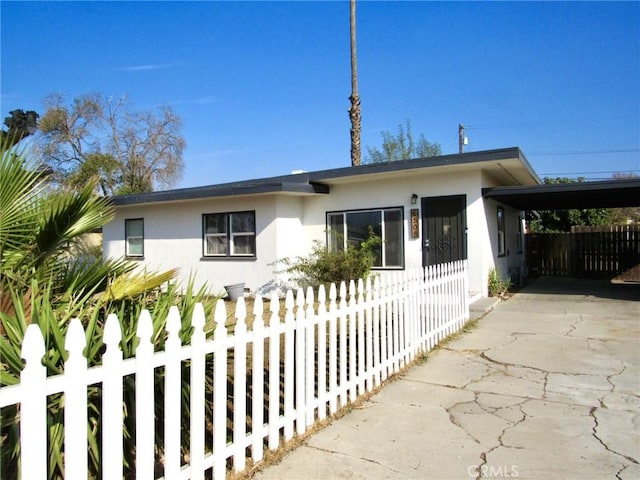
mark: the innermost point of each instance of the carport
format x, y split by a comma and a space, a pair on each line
561, 196
602, 253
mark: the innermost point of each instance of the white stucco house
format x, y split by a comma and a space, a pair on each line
427, 211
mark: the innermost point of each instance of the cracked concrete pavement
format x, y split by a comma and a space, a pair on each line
547, 386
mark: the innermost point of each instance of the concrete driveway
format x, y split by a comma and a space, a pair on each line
547, 386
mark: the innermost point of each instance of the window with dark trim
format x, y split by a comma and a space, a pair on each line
351, 228
501, 233
134, 237
229, 234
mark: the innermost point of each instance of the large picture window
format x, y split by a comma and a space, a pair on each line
351, 228
230, 234
501, 233
134, 237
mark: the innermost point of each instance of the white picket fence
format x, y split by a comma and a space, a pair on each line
333, 350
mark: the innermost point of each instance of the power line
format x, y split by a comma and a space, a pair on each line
590, 173
543, 123
584, 152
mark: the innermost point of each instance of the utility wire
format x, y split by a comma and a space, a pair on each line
543, 123
584, 152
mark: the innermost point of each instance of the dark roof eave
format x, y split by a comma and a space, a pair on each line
312, 182
439, 161
594, 194
311, 188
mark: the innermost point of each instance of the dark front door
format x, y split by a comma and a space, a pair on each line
444, 229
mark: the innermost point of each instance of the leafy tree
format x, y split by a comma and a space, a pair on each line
104, 139
550, 221
622, 216
20, 124
402, 146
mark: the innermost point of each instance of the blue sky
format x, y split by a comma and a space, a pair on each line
262, 87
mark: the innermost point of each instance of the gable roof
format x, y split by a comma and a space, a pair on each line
508, 165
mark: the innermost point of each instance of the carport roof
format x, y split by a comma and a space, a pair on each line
596, 194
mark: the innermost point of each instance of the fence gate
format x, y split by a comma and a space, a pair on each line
588, 252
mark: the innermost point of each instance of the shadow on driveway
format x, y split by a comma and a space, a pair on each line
581, 286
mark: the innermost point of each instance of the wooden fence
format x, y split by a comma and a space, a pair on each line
325, 353
590, 252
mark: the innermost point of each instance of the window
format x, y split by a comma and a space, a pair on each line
134, 237
520, 234
229, 234
501, 233
352, 228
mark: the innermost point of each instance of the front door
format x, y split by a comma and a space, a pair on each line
444, 229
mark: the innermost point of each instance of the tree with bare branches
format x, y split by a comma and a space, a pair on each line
105, 139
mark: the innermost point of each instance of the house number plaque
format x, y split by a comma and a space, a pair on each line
415, 223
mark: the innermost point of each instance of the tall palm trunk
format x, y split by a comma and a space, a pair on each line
354, 110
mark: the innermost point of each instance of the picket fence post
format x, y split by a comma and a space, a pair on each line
309, 354
322, 353
257, 386
370, 332
196, 397
289, 381
219, 391
33, 409
274, 371
145, 427
368, 318
75, 404
172, 395
112, 390
239, 385
333, 350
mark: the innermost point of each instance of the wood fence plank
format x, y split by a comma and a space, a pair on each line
274, 372
240, 337
257, 387
112, 412
144, 372
33, 409
172, 395
220, 392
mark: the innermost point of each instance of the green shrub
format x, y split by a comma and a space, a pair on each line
497, 286
324, 266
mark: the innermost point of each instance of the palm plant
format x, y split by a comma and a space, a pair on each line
42, 283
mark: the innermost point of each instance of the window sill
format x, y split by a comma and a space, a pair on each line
228, 258
134, 257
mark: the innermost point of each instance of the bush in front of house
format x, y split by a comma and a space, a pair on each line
496, 285
324, 266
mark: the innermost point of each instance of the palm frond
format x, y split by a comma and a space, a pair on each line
21, 186
67, 215
131, 284
92, 273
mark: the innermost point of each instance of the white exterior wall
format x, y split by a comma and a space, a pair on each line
514, 260
396, 192
287, 225
173, 238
